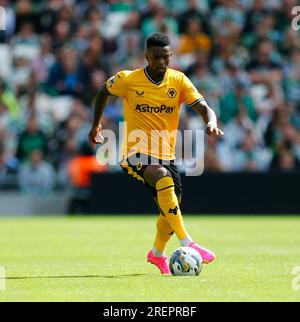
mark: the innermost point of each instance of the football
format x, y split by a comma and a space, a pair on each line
185, 261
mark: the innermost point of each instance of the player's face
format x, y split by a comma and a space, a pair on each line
158, 60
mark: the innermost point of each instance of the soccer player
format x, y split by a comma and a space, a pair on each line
152, 97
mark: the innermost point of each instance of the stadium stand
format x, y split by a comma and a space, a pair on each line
243, 56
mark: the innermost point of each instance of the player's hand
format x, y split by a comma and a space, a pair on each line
95, 136
212, 129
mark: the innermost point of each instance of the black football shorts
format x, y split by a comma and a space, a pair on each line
135, 166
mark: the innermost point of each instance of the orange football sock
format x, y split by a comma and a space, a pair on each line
168, 203
163, 233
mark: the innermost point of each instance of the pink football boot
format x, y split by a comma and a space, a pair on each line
161, 262
207, 255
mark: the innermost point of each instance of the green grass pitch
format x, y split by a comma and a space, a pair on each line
103, 259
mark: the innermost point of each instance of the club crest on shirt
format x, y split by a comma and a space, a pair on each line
172, 92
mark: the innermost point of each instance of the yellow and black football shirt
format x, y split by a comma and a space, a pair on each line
151, 110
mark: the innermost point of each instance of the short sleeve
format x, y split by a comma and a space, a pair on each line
116, 85
190, 94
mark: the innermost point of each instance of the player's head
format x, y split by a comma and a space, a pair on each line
158, 53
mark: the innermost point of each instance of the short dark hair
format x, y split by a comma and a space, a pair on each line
157, 39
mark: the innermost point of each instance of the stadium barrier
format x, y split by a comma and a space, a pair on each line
214, 193
12, 203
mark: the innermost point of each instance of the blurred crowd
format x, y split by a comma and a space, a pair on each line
243, 56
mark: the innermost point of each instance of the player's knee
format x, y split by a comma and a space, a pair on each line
161, 173
154, 173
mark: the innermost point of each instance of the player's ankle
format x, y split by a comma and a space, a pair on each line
157, 253
186, 241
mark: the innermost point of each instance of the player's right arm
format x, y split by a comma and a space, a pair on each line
101, 99
116, 86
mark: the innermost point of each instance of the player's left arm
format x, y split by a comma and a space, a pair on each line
209, 117
195, 100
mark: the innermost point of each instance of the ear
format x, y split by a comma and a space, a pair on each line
146, 56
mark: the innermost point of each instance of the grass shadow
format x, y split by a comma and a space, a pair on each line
74, 276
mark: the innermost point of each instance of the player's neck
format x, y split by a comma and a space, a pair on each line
155, 78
